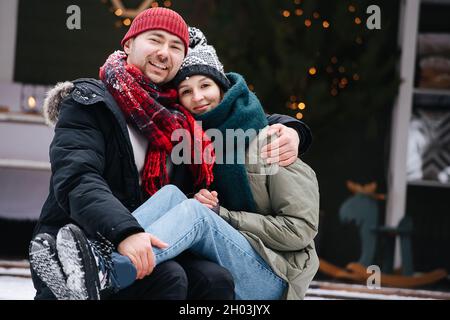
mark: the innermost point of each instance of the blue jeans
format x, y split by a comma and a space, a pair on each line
187, 224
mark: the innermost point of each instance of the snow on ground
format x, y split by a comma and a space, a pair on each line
16, 284
21, 288
16, 288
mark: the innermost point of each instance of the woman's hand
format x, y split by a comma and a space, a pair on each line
208, 198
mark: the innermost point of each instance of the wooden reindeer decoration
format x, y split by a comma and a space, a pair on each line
362, 209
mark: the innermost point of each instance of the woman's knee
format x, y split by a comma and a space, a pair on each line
194, 205
172, 189
197, 211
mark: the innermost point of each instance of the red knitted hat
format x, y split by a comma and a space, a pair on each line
161, 19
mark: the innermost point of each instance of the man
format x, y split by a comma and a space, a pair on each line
110, 152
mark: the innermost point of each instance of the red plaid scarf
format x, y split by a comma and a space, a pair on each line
156, 114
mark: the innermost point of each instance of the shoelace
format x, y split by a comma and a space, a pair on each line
103, 249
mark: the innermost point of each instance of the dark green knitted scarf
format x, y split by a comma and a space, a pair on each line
239, 109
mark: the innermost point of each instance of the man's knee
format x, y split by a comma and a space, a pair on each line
217, 283
168, 281
171, 272
220, 277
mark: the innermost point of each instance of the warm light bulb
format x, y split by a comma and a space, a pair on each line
298, 12
31, 102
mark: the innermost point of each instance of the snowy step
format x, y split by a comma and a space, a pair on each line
15, 268
16, 284
354, 291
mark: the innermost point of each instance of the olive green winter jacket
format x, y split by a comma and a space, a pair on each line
287, 218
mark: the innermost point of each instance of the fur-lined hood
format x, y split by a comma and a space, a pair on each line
52, 102
86, 91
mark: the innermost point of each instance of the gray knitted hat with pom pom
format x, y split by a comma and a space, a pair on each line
201, 60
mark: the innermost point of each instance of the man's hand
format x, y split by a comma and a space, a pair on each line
283, 150
138, 247
207, 198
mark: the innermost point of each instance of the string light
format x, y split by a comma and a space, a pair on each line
297, 1
316, 15
334, 60
302, 106
293, 98
299, 116
298, 12
127, 14
286, 13
357, 20
167, 3
119, 9
308, 23
312, 71
351, 8
155, 4
251, 87
325, 24
356, 77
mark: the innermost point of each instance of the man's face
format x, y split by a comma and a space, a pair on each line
157, 53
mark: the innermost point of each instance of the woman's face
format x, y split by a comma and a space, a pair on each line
199, 94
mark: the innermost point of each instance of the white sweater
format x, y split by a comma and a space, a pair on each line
140, 145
